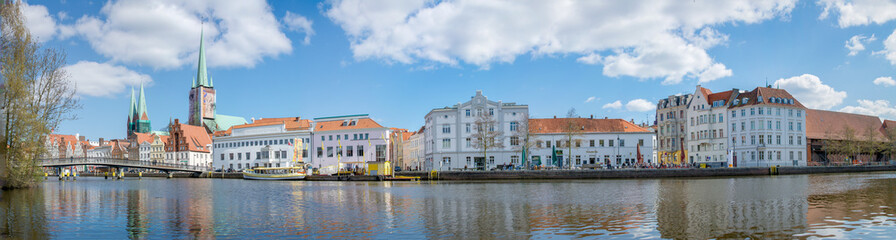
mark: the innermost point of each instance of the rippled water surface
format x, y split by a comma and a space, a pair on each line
803, 206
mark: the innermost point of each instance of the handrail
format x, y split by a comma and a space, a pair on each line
117, 161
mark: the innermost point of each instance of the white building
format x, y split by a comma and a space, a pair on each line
767, 128
707, 142
266, 142
448, 131
413, 150
599, 143
348, 142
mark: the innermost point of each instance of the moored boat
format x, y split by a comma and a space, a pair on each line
282, 173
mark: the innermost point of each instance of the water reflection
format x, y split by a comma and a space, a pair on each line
836, 205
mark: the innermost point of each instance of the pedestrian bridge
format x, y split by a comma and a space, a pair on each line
121, 163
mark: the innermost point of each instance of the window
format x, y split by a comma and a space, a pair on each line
320, 151
799, 113
469, 142
791, 125
601, 142
733, 113
367, 136
778, 125
622, 142
360, 150
329, 151
467, 112
753, 140
743, 112
641, 142
591, 143
491, 159
515, 159
799, 126
743, 126
760, 110
339, 151
446, 128
491, 111
239, 156
468, 128
611, 143
222, 156
752, 111
547, 144
752, 125
513, 126
733, 127
799, 140
778, 138
514, 141
469, 162
720, 117
331, 137
231, 156
446, 143
380, 153
791, 140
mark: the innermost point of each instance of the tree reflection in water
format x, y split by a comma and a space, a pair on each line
22, 214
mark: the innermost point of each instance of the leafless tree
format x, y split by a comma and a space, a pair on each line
487, 135
572, 130
525, 138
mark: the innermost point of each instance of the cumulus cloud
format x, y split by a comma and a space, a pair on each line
613, 105
811, 92
855, 44
639, 105
885, 81
590, 99
858, 12
103, 79
889, 50
165, 33
39, 22
642, 39
880, 108
299, 23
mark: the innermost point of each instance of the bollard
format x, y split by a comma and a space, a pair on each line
46, 175
140, 175
74, 175
106, 174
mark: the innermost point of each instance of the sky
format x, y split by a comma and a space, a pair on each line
397, 60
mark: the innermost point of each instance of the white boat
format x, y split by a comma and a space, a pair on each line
282, 173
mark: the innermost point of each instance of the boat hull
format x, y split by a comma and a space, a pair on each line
255, 176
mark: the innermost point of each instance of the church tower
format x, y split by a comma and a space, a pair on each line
202, 93
138, 117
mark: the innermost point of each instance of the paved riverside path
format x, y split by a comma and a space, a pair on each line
637, 173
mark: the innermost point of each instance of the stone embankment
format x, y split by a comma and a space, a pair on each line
637, 173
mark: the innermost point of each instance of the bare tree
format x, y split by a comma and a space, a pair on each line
36, 96
572, 130
486, 135
870, 144
525, 138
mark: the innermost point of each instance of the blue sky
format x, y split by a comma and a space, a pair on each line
397, 60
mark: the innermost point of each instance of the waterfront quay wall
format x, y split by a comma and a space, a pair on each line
637, 173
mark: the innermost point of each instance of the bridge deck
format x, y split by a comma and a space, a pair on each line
114, 162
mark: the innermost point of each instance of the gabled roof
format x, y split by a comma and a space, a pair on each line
829, 125
705, 91
196, 138
361, 123
142, 137
719, 96
588, 125
291, 123
766, 93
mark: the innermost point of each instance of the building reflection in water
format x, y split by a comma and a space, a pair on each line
837, 205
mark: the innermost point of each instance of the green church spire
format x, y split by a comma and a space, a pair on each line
132, 108
141, 111
202, 74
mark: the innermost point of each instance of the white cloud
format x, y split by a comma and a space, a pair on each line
299, 23
165, 33
39, 22
811, 92
103, 79
613, 105
643, 39
639, 105
889, 51
590, 99
858, 12
885, 81
880, 108
855, 43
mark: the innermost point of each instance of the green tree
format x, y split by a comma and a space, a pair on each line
36, 96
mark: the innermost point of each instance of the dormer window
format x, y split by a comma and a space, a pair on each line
352, 122
746, 99
736, 101
759, 99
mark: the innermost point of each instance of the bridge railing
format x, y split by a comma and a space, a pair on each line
116, 161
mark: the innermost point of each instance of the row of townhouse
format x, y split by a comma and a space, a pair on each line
762, 127
327, 143
458, 137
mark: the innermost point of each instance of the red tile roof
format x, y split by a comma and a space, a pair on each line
766, 93
828, 125
719, 96
143, 137
705, 91
362, 123
588, 125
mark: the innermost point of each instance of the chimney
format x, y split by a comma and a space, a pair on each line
633, 120
555, 116
605, 117
82, 138
592, 116
101, 142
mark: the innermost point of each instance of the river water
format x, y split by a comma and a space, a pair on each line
857, 205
